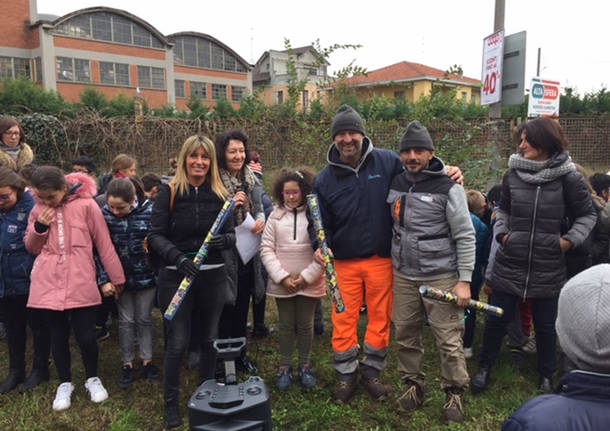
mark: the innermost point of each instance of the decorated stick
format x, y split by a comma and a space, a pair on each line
432, 293
331, 275
202, 254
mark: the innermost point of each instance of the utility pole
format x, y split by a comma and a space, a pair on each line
538, 65
495, 110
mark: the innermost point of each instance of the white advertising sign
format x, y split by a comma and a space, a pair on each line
491, 77
544, 98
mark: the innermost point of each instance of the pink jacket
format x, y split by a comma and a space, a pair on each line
63, 276
286, 251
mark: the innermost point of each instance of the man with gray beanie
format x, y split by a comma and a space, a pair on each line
582, 400
433, 244
351, 192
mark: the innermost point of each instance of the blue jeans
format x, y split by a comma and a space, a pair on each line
544, 312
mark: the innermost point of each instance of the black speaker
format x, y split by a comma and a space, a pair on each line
230, 406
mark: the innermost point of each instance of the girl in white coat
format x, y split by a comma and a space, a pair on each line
295, 278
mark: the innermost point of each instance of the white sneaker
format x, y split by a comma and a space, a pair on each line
467, 352
62, 398
96, 389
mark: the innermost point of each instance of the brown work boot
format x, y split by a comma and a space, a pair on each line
345, 390
377, 390
413, 398
452, 410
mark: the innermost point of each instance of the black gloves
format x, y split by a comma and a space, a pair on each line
221, 242
187, 267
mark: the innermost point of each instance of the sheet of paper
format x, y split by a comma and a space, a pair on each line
247, 243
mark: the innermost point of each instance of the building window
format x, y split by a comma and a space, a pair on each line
144, 80
219, 91
203, 53
399, 95
109, 27
279, 97
73, 69
13, 67
121, 30
464, 97
217, 57
38, 65
151, 77
198, 52
6, 67
179, 88
65, 69
114, 73
312, 71
237, 93
22, 67
305, 100
102, 26
199, 89
473, 98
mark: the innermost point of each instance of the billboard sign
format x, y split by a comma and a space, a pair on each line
491, 76
544, 98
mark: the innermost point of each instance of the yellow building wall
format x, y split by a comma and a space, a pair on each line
415, 91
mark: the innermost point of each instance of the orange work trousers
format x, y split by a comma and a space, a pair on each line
354, 276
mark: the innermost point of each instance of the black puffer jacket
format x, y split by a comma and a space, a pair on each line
184, 229
531, 264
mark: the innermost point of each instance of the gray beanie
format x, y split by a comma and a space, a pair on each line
347, 118
416, 136
583, 319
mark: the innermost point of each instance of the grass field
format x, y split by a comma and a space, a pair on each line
141, 407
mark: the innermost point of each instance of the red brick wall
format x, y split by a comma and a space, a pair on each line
15, 23
72, 91
110, 48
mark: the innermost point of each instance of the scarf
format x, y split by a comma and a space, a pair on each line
540, 172
11, 151
244, 181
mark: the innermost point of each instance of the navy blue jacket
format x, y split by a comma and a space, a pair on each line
581, 404
15, 262
353, 204
127, 234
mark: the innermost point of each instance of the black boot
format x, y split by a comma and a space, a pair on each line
38, 376
480, 380
12, 380
172, 416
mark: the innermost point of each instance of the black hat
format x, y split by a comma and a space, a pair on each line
347, 118
416, 136
600, 182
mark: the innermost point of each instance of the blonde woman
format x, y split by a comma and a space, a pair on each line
178, 228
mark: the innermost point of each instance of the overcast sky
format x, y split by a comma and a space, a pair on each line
574, 35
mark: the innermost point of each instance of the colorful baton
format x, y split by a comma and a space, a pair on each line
331, 275
432, 293
202, 254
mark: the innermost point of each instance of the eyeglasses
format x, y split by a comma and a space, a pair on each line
12, 133
6, 196
291, 192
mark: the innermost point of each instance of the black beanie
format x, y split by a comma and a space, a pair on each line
347, 118
416, 136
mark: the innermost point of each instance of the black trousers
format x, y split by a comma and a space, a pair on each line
234, 318
544, 313
17, 317
82, 321
471, 317
206, 296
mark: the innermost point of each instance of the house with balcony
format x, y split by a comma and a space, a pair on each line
270, 75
